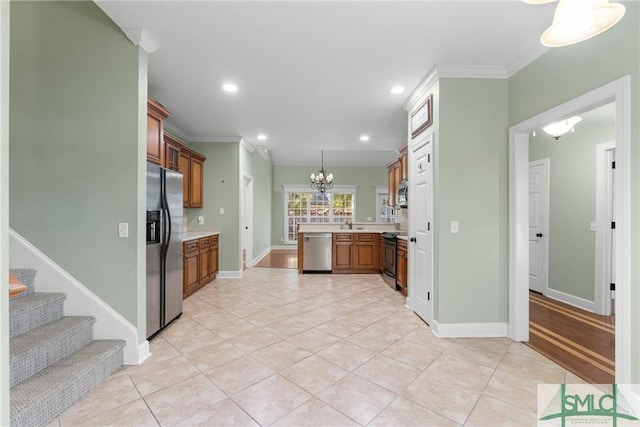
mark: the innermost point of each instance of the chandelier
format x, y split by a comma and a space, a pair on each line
322, 181
578, 20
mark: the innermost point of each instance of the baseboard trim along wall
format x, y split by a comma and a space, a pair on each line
571, 300
261, 255
474, 330
229, 275
80, 301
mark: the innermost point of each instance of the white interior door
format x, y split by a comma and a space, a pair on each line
421, 211
605, 234
247, 221
539, 225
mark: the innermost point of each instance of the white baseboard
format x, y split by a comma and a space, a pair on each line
80, 301
229, 274
571, 300
261, 255
462, 330
292, 246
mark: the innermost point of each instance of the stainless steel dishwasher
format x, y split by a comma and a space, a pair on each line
316, 252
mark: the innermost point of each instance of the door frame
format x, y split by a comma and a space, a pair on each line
618, 92
247, 218
546, 162
604, 203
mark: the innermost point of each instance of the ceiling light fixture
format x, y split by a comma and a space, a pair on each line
230, 87
578, 20
396, 90
364, 138
322, 181
262, 137
557, 129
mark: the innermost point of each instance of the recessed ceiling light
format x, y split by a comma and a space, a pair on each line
262, 137
397, 90
364, 138
229, 87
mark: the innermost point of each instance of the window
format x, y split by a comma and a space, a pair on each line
307, 207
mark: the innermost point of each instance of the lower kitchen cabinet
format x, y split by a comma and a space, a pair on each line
200, 263
355, 253
401, 266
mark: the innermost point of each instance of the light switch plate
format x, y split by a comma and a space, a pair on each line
454, 227
123, 229
592, 226
221, 211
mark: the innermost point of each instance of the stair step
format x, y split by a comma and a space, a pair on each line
33, 311
37, 400
35, 350
26, 276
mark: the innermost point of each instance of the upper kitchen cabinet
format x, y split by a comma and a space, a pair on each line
191, 166
397, 173
156, 114
172, 149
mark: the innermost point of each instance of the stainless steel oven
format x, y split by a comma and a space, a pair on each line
389, 258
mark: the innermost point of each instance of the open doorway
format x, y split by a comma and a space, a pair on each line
617, 92
567, 322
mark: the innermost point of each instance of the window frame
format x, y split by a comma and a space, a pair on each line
294, 188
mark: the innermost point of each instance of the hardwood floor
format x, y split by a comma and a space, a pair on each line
579, 341
280, 258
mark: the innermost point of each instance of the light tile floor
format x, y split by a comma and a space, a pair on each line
277, 348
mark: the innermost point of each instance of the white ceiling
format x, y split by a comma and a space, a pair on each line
316, 75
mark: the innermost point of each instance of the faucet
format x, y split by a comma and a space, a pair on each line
348, 224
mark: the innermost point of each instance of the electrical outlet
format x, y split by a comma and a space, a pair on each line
123, 229
221, 211
592, 226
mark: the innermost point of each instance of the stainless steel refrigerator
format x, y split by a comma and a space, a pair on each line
164, 248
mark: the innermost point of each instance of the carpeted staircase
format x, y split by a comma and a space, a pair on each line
54, 360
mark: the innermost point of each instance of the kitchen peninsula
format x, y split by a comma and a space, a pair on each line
352, 248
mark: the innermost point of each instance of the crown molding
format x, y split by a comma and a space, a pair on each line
175, 131
530, 55
472, 71
426, 83
141, 37
250, 148
264, 153
228, 139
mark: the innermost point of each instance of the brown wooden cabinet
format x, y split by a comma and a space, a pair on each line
401, 266
342, 252
397, 173
171, 153
191, 268
355, 253
380, 252
191, 165
200, 263
365, 252
156, 114
195, 181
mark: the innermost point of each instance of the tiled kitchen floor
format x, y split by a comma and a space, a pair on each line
277, 348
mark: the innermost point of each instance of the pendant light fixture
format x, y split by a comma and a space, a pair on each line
557, 129
322, 181
578, 20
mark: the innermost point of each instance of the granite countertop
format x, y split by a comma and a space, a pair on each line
198, 234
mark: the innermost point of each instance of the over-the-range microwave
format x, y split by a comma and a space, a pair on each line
403, 190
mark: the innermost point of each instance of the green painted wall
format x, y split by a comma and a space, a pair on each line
572, 205
4, 212
565, 73
261, 171
366, 178
221, 190
471, 177
74, 150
